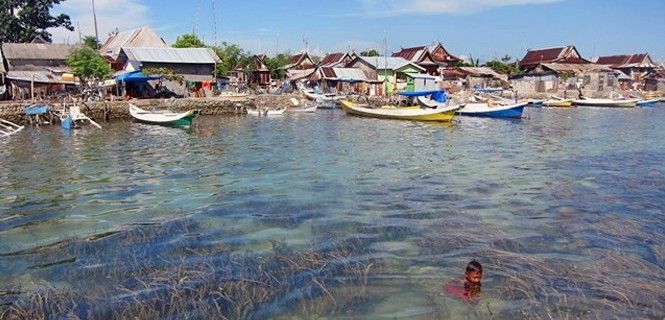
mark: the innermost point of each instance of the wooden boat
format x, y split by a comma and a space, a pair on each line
37, 109
648, 102
299, 107
558, 103
8, 128
320, 97
415, 113
493, 110
622, 103
263, 113
164, 117
73, 118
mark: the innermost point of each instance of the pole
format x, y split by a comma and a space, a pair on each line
94, 17
32, 87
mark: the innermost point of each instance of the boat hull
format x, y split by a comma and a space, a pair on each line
606, 103
648, 103
558, 103
412, 114
485, 111
163, 118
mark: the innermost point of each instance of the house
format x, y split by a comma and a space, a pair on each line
567, 55
655, 80
195, 65
143, 37
260, 76
37, 65
635, 66
432, 57
421, 82
301, 67
338, 59
389, 70
3, 73
553, 77
348, 81
454, 79
237, 76
484, 77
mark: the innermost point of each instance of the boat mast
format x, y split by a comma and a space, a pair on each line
94, 18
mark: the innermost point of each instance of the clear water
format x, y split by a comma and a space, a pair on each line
563, 208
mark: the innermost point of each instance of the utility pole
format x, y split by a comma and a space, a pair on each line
94, 17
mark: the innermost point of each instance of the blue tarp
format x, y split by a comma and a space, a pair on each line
135, 76
436, 95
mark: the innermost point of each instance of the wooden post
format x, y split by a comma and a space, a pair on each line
32, 87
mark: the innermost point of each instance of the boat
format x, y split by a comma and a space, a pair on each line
415, 113
8, 128
73, 118
299, 107
648, 102
261, 112
37, 109
320, 97
559, 102
492, 109
621, 103
163, 117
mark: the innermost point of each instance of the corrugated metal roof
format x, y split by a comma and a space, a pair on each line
36, 51
136, 38
353, 74
641, 60
172, 55
421, 76
39, 77
574, 67
390, 63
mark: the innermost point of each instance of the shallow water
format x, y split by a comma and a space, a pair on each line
564, 209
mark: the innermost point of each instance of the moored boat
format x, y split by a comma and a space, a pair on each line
37, 109
415, 113
622, 103
563, 103
648, 103
265, 112
299, 107
72, 118
164, 117
8, 128
493, 110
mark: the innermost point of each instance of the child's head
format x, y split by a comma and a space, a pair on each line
474, 272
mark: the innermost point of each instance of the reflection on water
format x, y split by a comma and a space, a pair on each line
328, 215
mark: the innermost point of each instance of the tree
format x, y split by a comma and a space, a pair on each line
230, 55
503, 65
23, 20
276, 64
88, 65
370, 53
188, 40
91, 42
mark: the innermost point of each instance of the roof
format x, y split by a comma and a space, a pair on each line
297, 61
412, 54
37, 76
333, 59
454, 73
567, 54
640, 60
484, 71
258, 64
421, 76
390, 63
571, 67
417, 54
172, 55
348, 74
35, 51
141, 37
297, 74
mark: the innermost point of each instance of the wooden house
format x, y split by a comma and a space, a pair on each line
553, 77
432, 58
566, 55
301, 67
635, 66
260, 74
37, 65
143, 37
348, 81
237, 76
389, 70
484, 77
337, 60
655, 80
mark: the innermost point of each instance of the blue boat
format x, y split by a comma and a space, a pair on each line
490, 110
36, 109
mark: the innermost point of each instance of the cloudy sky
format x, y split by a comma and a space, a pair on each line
483, 29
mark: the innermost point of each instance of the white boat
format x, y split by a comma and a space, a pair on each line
7, 128
163, 117
261, 112
319, 97
623, 103
299, 107
72, 118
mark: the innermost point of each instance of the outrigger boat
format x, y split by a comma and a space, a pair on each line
73, 118
559, 102
622, 103
8, 128
433, 108
493, 107
300, 107
164, 117
260, 112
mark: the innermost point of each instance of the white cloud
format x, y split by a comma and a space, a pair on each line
111, 14
429, 7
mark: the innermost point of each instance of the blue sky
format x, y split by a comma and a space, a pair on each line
484, 29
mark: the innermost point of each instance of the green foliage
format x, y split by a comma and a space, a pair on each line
462, 63
23, 20
165, 73
502, 67
370, 53
87, 64
316, 59
91, 42
188, 41
276, 64
230, 55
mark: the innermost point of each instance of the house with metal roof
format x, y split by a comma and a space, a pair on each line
337, 59
555, 77
432, 57
143, 37
567, 55
389, 70
348, 81
635, 66
301, 67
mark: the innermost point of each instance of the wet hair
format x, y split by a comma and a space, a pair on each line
474, 266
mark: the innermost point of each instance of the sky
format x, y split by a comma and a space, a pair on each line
482, 29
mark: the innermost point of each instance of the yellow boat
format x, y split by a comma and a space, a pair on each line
401, 113
558, 103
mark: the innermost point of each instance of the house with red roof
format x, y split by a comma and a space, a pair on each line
431, 58
635, 66
260, 73
337, 59
301, 67
567, 55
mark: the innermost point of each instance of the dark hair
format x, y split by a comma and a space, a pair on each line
474, 266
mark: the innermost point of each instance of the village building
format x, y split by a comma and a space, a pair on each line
391, 71
37, 65
143, 37
634, 66
554, 77
484, 77
260, 74
195, 65
432, 58
237, 76
567, 55
338, 59
655, 80
301, 67
348, 81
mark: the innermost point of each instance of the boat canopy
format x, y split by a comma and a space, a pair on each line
436, 95
135, 76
